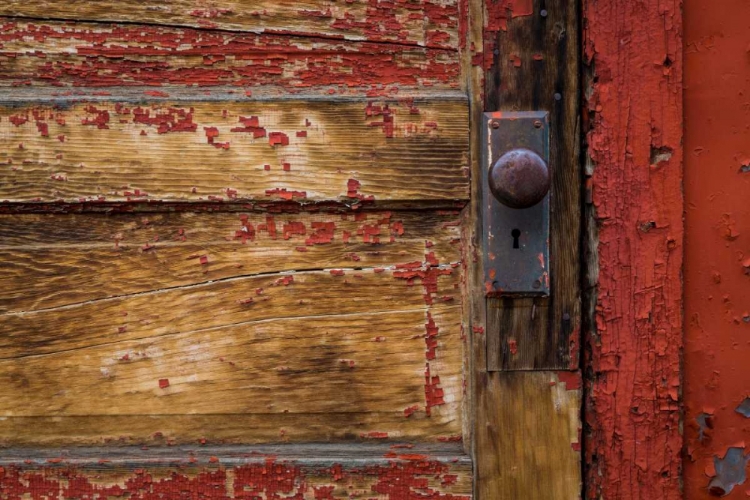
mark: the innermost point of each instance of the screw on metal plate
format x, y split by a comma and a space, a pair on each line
515, 187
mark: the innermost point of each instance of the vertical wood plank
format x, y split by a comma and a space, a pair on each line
533, 57
633, 347
527, 424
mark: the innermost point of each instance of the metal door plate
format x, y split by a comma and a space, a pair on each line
507, 270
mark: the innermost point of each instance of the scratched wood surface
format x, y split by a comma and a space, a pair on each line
61, 260
320, 472
252, 150
104, 55
424, 22
170, 322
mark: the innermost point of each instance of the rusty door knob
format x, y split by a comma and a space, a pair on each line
519, 179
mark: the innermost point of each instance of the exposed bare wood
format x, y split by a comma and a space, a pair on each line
59, 260
353, 363
251, 150
105, 55
532, 449
535, 65
511, 325
321, 472
427, 22
215, 304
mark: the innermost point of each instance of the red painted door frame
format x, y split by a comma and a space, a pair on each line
633, 339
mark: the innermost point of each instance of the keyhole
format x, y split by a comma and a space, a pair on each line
516, 234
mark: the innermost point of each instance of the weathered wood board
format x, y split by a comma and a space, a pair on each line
48, 53
184, 149
533, 448
406, 22
119, 328
309, 472
59, 260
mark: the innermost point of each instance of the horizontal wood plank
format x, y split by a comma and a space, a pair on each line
106, 55
60, 260
123, 327
320, 472
408, 22
358, 363
101, 148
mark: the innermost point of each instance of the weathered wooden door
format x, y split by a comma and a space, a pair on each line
240, 246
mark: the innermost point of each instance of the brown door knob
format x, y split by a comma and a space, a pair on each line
519, 179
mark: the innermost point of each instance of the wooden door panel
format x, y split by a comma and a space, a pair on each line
43, 52
65, 260
423, 22
84, 148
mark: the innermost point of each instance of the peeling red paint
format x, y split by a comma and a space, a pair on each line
122, 55
633, 449
405, 477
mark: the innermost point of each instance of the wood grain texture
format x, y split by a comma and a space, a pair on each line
48, 53
61, 260
534, 446
426, 23
512, 323
533, 63
258, 150
526, 428
635, 138
196, 333
214, 473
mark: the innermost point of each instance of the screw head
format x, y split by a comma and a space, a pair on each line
495, 124
519, 179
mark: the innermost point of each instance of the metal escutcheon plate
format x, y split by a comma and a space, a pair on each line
515, 240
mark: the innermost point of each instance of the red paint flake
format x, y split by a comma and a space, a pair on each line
337, 272
278, 139
43, 129
147, 247
286, 167
571, 379
430, 338
322, 233
156, 93
122, 329
286, 195
204, 260
374, 435
478, 329
286, 280
291, 228
166, 120
211, 134
433, 392
18, 120
250, 125
408, 412
100, 120
450, 439
163, 383
378, 270
513, 346
500, 11
302, 133
387, 124
246, 232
